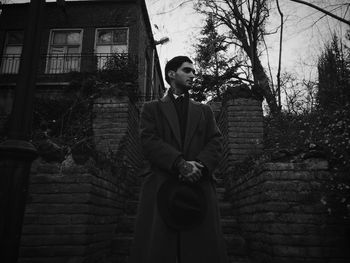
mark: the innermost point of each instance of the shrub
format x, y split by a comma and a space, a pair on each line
329, 133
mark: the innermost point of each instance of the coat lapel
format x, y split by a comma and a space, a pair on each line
169, 111
193, 118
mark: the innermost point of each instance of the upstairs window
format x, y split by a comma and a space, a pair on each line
64, 51
110, 41
11, 57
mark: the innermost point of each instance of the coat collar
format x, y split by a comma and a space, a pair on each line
193, 118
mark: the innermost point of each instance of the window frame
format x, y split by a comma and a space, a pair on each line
50, 45
104, 28
100, 60
6, 44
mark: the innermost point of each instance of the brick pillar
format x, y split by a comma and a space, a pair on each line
244, 128
110, 123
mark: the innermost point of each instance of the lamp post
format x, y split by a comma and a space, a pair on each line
17, 153
161, 41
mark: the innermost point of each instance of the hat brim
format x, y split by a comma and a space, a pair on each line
181, 205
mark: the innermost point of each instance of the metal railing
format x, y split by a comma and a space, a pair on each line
10, 64
61, 63
65, 63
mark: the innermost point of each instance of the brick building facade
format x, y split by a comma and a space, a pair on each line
81, 36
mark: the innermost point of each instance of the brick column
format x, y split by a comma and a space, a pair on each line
244, 128
110, 123
115, 130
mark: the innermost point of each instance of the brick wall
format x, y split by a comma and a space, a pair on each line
115, 129
281, 216
221, 120
244, 127
278, 206
110, 123
72, 210
241, 123
71, 213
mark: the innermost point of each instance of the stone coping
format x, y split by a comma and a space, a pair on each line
309, 164
315, 165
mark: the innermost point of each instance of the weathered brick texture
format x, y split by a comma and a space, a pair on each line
245, 128
110, 123
241, 123
115, 129
72, 210
70, 213
281, 216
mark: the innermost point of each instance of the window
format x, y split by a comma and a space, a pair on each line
110, 41
12, 52
64, 51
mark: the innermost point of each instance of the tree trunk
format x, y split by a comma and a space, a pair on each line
261, 80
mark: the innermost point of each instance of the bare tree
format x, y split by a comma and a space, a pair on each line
299, 95
311, 90
243, 22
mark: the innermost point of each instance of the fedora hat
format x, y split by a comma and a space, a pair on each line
181, 205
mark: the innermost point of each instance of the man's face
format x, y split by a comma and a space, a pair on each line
184, 75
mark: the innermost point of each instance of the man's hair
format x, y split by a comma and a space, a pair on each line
174, 64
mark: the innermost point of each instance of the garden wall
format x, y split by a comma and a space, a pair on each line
70, 213
280, 212
72, 210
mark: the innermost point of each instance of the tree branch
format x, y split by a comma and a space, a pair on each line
323, 11
173, 9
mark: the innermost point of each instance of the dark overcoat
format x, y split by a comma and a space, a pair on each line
154, 241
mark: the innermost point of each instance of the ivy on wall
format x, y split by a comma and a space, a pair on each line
64, 125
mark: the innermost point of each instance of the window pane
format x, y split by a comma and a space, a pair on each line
104, 36
15, 37
13, 50
103, 49
120, 36
57, 50
59, 38
119, 49
73, 50
73, 38
102, 55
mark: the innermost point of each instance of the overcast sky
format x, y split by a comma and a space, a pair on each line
302, 43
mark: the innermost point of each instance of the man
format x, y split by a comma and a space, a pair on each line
183, 145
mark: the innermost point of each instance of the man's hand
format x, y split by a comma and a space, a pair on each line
190, 171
